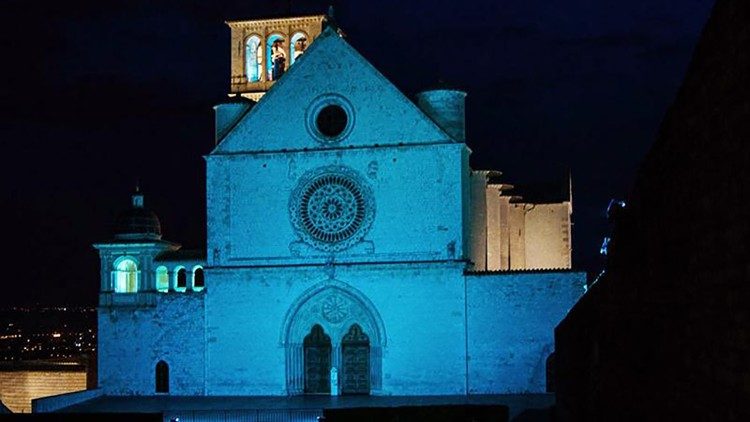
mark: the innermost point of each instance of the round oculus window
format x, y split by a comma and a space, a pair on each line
331, 121
330, 118
332, 209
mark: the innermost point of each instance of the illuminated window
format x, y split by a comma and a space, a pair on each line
126, 276
199, 281
253, 55
180, 279
275, 57
162, 377
162, 279
297, 46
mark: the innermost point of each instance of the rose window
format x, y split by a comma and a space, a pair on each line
331, 210
335, 309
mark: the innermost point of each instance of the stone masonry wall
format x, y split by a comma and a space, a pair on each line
511, 321
133, 340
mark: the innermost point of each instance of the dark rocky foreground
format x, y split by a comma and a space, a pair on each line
666, 332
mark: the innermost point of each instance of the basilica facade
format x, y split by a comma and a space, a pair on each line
351, 249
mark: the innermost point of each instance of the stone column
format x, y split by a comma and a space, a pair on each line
295, 369
172, 278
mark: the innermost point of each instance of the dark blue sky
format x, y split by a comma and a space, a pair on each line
99, 94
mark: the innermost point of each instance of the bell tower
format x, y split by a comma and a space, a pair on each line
127, 259
263, 50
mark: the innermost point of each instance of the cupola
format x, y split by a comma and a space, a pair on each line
137, 223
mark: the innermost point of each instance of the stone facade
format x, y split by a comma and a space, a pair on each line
342, 235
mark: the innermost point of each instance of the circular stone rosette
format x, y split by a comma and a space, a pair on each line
331, 208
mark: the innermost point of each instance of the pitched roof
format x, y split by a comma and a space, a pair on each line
331, 71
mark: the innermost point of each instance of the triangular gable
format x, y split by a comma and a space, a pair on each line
331, 68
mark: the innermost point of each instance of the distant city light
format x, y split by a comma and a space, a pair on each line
44, 333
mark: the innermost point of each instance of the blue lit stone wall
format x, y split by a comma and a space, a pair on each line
420, 307
133, 340
511, 322
417, 195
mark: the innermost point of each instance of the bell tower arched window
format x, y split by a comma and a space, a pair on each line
253, 59
126, 276
275, 56
297, 46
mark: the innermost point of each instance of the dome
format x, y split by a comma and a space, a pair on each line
137, 222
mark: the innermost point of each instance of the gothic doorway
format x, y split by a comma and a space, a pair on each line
355, 353
317, 347
335, 307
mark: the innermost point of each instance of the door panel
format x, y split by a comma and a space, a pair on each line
317, 362
355, 354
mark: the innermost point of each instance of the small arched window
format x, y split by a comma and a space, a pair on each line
199, 281
180, 279
297, 46
253, 55
126, 276
162, 377
162, 279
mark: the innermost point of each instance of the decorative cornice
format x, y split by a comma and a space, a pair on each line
277, 21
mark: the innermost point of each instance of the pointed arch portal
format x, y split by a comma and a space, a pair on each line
355, 339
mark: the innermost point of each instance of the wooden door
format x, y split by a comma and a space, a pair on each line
355, 353
317, 362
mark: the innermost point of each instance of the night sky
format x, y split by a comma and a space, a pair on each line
98, 95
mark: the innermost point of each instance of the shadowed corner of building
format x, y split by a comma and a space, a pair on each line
663, 333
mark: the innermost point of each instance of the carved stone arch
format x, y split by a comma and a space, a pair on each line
300, 312
335, 306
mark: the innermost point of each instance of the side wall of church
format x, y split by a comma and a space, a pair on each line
547, 236
414, 317
511, 322
477, 239
417, 193
133, 340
